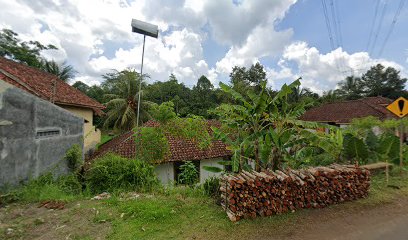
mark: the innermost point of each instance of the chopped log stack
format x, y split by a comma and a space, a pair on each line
251, 194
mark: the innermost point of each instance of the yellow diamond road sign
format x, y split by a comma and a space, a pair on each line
399, 107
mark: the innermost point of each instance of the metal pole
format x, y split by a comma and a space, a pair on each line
140, 83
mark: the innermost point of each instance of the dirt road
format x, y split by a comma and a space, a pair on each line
386, 222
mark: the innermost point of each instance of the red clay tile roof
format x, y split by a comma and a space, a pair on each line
346, 111
41, 84
180, 149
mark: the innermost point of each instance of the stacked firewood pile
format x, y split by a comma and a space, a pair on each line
251, 194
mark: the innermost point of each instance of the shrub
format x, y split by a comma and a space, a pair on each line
212, 187
189, 174
114, 173
74, 157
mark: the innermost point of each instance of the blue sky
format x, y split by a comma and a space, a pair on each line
197, 37
356, 18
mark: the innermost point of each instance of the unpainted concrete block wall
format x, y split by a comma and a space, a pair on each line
34, 135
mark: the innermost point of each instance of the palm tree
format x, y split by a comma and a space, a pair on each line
351, 88
64, 71
122, 104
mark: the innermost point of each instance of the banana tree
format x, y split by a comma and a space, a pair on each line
355, 149
266, 127
248, 117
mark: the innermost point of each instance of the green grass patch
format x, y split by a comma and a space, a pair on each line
383, 192
47, 187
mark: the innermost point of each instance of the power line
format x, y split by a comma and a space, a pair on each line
328, 23
338, 23
329, 30
335, 26
339, 39
373, 24
384, 10
394, 21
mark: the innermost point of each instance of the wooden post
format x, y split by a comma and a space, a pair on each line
401, 137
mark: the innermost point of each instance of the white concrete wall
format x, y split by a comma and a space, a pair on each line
165, 172
204, 174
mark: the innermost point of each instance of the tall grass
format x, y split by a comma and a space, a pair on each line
114, 173
47, 187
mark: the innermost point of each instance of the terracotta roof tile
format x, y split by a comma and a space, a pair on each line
346, 111
42, 84
180, 149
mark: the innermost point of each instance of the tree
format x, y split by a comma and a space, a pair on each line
30, 53
64, 71
123, 101
381, 81
330, 96
81, 86
21, 51
170, 90
243, 79
94, 91
351, 88
203, 97
266, 127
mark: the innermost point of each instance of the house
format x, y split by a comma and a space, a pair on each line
34, 135
342, 113
180, 151
48, 87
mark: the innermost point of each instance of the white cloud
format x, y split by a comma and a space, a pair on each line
250, 28
180, 53
322, 72
263, 42
232, 24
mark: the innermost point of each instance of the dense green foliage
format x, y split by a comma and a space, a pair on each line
191, 128
189, 174
263, 128
30, 53
211, 187
377, 81
113, 173
151, 144
74, 157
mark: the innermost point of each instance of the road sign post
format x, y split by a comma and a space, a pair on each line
400, 108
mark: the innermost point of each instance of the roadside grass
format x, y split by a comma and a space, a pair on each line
178, 213
383, 192
46, 187
175, 213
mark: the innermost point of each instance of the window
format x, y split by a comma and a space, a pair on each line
47, 133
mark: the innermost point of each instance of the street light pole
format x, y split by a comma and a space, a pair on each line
149, 30
140, 83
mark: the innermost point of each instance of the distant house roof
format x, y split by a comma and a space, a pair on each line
345, 111
180, 149
45, 85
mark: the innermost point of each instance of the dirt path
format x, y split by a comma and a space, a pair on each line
385, 222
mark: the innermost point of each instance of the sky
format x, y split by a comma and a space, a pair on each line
209, 37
